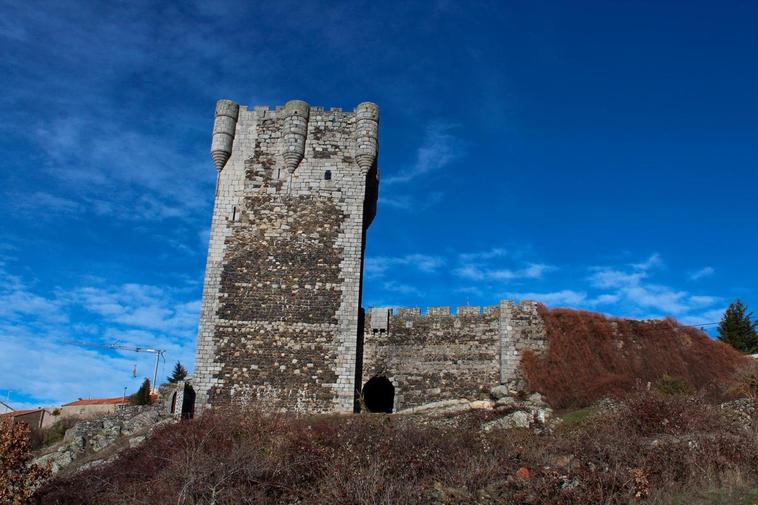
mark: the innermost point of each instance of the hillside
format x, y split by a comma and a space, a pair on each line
591, 356
651, 448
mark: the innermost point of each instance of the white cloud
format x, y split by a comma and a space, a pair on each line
631, 287
495, 252
564, 297
439, 148
400, 288
377, 266
653, 261
608, 278
409, 202
475, 273
37, 332
122, 173
703, 272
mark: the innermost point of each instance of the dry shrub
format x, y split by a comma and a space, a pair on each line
746, 381
18, 477
591, 356
651, 444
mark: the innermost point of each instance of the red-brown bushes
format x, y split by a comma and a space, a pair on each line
649, 443
591, 356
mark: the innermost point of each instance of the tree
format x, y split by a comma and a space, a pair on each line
178, 374
142, 396
18, 477
737, 328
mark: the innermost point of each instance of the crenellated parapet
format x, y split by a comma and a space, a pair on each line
224, 130
438, 355
378, 317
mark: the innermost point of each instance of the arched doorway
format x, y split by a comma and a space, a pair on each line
173, 403
188, 402
379, 395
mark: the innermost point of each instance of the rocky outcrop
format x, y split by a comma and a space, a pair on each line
94, 442
503, 411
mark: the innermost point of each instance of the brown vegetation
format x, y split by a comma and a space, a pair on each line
18, 478
649, 448
591, 356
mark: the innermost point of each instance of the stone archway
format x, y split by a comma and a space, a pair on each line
379, 395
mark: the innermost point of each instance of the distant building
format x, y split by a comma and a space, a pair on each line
96, 407
5, 408
93, 407
35, 418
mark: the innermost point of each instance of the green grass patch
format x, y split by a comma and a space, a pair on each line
575, 418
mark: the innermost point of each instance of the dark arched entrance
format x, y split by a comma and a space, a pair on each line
188, 402
379, 395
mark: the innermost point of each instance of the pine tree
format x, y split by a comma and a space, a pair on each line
737, 328
142, 396
178, 374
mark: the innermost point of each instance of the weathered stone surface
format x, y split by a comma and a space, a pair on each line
505, 401
518, 419
439, 356
447, 407
97, 435
281, 322
500, 391
281, 303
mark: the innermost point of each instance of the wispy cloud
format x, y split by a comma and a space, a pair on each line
378, 266
565, 297
702, 273
407, 202
495, 252
44, 205
439, 148
530, 271
631, 285
37, 329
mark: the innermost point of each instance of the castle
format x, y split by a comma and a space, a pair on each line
281, 318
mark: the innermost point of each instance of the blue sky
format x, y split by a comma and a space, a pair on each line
599, 155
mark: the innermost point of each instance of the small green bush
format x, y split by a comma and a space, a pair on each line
670, 385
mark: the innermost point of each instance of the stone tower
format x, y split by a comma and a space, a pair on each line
281, 318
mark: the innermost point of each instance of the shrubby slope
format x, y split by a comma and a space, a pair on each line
591, 356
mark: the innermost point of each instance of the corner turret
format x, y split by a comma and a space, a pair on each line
224, 128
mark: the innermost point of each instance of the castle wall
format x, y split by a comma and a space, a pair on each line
438, 356
280, 312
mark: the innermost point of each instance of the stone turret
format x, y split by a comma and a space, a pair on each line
296, 113
366, 134
224, 129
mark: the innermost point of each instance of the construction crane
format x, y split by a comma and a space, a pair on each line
121, 347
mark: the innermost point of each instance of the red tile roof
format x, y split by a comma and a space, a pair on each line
17, 413
98, 401
105, 401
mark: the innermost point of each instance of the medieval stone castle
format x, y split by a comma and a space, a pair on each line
281, 318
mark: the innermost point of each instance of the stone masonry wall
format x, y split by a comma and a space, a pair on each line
438, 356
281, 301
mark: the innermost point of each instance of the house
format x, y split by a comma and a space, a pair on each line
96, 407
93, 407
35, 418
